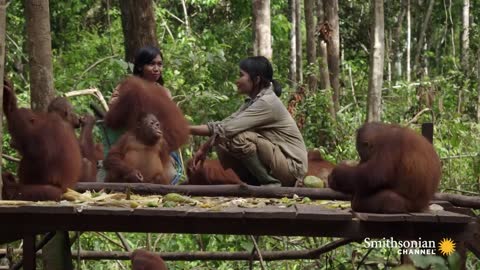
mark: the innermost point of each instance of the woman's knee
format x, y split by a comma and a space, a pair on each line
242, 144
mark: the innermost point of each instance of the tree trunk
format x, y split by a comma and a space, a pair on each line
3, 26
409, 38
323, 59
452, 31
478, 86
309, 6
377, 53
39, 44
396, 43
421, 37
388, 56
322, 49
138, 23
298, 41
333, 48
292, 76
263, 36
464, 48
465, 40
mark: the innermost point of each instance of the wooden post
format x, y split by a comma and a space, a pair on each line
3, 15
56, 254
29, 252
427, 131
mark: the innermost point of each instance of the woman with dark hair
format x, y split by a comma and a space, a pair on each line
148, 65
260, 141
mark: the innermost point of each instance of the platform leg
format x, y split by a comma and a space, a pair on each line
29, 254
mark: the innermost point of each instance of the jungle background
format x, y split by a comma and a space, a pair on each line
429, 71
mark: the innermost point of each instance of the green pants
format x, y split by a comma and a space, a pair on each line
230, 153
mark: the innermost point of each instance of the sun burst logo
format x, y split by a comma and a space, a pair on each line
446, 246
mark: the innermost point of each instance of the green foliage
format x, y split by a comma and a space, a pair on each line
452, 262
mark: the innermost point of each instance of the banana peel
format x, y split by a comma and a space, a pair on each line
175, 197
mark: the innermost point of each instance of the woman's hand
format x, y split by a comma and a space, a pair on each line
198, 158
201, 154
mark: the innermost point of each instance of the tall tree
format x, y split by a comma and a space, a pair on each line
3, 25
478, 86
39, 44
421, 37
309, 6
464, 49
292, 76
465, 39
322, 47
298, 40
138, 23
333, 48
409, 35
396, 48
322, 51
377, 53
263, 36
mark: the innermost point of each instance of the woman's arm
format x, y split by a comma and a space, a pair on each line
200, 130
201, 154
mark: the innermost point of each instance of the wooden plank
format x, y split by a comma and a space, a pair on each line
104, 210
460, 210
161, 211
40, 209
422, 217
450, 217
380, 217
229, 212
309, 212
270, 212
305, 220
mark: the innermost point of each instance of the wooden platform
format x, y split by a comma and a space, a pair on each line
296, 220
29, 219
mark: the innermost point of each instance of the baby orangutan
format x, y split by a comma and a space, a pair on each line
140, 155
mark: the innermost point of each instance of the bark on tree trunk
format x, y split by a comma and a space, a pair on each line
39, 44
440, 42
333, 47
465, 40
452, 31
3, 24
388, 54
409, 35
138, 23
377, 53
323, 59
309, 6
263, 36
322, 49
478, 85
464, 48
298, 41
421, 37
292, 76
396, 41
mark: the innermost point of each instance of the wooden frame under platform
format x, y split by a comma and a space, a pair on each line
26, 221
